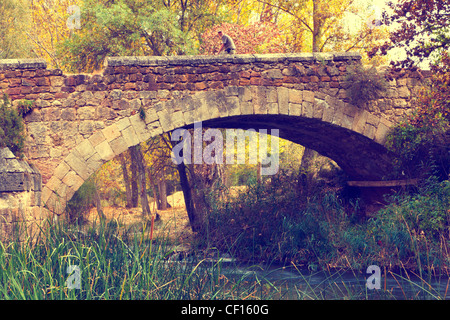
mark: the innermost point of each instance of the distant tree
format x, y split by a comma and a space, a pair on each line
14, 24
423, 30
48, 28
323, 25
255, 38
134, 27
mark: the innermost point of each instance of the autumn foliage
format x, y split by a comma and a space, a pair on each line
422, 30
433, 103
261, 37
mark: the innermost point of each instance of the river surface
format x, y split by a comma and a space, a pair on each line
295, 283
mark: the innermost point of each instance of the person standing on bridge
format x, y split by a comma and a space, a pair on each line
227, 43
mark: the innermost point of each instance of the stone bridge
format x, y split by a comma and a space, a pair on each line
81, 121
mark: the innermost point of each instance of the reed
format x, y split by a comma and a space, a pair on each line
112, 265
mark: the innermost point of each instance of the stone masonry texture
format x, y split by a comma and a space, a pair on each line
80, 121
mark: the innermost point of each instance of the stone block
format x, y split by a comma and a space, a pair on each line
359, 121
307, 109
373, 119
207, 107
347, 121
246, 107
403, 91
369, 131
308, 96
272, 74
319, 107
53, 183
328, 112
338, 116
68, 114
272, 108
220, 100
123, 124
73, 180
61, 170
97, 138
115, 94
119, 145
382, 130
46, 192
186, 104
295, 109
85, 149
56, 204
154, 128
190, 116
165, 120
245, 94
150, 116
233, 106
104, 150
295, 96
111, 132
271, 94
140, 127
130, 136
259, 99
78, 164
283, 100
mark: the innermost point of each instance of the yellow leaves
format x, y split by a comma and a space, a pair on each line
49, 27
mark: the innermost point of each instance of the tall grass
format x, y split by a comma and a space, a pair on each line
112, 265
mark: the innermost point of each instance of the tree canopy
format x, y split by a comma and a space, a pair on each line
422, 30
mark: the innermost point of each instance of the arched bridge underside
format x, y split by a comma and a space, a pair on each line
81, 121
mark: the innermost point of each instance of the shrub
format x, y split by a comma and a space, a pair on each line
12, 129
364, 84
413, 230
82, 202
267, 222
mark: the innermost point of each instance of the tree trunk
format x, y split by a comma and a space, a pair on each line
139, 159
134, 180
98, 203
153, 186
162, 188
317, 32
305, 173
126, 180
258, 172
187, 193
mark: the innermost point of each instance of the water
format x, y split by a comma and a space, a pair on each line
294, 283
339, 284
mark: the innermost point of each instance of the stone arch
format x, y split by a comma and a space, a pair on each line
349, 135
